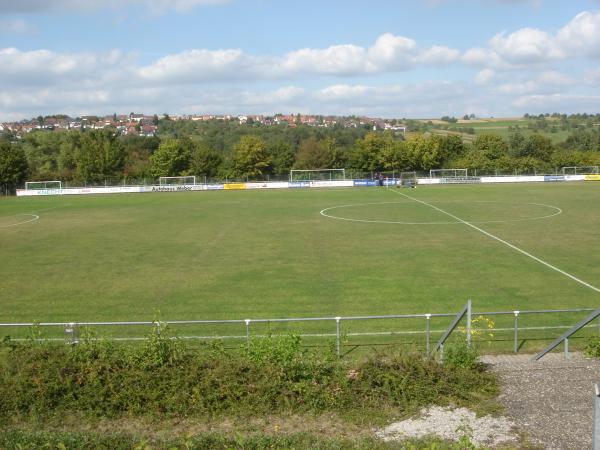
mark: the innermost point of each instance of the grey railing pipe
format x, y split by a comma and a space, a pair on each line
565, 336
453, 325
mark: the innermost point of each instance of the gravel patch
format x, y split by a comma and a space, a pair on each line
452, 424
552, 400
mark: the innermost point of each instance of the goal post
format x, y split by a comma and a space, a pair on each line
42, 185
317, 174
448, 173
178, 181
408, 179
580, 170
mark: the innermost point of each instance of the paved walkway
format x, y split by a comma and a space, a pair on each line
551, 400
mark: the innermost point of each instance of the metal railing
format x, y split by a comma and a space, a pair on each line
565, 336
596, 426
338, 328
465, 311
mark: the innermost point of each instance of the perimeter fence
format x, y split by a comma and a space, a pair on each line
350, 174
492, 331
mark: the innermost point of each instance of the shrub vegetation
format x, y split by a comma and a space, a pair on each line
163, 378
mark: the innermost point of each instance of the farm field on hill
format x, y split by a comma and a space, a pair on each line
271, 254
503, 127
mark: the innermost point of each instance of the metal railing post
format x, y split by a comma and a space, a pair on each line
516, 331
157, 325
71, 334
596, 431
427, 332
337, 335
469, 311
442, 352
565, 336
566, 348
247, 321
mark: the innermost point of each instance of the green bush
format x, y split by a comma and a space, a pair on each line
592, 348
461, 355
27, 440
164, 378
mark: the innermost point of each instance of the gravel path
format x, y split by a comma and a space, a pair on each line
452, 424
550, 400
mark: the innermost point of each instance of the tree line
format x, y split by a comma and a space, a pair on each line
225, 150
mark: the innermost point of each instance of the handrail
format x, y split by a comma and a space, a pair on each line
567, 335
453, 325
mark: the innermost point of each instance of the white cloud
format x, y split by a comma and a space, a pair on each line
197, 66
46, 68
438, 56
547, 82
395, 52
335, 60
527, 45
388, 54
484, 76
580, 37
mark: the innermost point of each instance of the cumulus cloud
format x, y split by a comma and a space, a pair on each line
43, 67
233, 81
484, 76
580, 37
389, 53
335, 60
202, 66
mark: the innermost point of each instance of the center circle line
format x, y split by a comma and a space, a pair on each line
324, 213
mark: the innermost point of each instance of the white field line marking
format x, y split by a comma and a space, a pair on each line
325, 213
35, 217
508, 244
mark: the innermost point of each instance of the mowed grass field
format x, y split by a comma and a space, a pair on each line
271, 254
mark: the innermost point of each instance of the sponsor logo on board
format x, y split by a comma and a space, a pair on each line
234, 186
365, 183
554, 178
299, 184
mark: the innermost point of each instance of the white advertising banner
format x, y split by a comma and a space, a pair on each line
428, 181
268, 185
513, 179
348, 183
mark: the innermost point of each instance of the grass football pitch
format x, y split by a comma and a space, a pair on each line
272, 254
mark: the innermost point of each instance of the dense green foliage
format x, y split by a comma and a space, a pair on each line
164, 378
225, 149
34, 440
13, 166
592, 347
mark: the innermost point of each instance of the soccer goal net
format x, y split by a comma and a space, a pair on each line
179, 181
42, 185
408, 179
317, 175
580, 170
447, 173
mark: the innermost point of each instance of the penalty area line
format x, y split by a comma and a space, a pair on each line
502, 241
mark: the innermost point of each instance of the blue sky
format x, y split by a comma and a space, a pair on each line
420, 59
